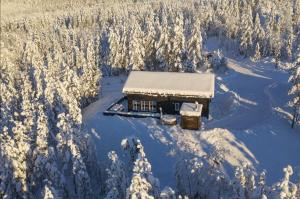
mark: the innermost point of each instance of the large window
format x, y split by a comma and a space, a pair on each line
177, 106
152, 106
144, 106
135, 105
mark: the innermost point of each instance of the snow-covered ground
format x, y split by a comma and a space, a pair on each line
249, 118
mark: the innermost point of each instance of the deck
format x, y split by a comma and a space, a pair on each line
119, 107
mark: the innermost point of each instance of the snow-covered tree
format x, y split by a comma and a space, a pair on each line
163, 47
49, 192
195, 47
117, 181
143, 183
178, 45
246, 31
137, 49
218, 61
167, 193
295, 90
202, 177
257, 54
285, 189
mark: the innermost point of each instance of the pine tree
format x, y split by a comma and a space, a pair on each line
295, 90
143, 183
257, 54
195, 47
178, 44
258, 32
246, 31
137, 50
117, 181
163, 47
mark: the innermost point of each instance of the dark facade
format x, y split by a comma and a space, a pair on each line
190, 122
169, 104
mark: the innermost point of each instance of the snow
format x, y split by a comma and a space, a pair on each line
170, 83
168, 119
249, 119
191, 109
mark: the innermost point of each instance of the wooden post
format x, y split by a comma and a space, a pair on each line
160, 109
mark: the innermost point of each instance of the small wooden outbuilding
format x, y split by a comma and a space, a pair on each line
191, 115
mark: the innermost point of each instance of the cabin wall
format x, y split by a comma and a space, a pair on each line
168, 103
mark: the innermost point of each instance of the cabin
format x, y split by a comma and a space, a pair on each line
168, 91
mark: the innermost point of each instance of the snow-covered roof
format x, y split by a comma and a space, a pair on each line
170, 84
191, 109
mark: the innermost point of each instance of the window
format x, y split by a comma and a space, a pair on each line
152, 106
135, 105
144, 106
177, 106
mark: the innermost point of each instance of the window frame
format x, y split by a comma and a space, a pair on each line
152, 106
143, 105
135, 105
177, 106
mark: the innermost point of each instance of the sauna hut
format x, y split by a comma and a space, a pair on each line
150, 91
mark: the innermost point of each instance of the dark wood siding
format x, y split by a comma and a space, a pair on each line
168, 103
188, 122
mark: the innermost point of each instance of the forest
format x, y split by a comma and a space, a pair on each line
54, 55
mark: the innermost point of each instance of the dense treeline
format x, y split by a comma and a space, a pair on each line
51, 66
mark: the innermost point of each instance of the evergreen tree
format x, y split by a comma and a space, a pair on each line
295, 90
195, 47
137, 50
143, 183
117, 181
246, 31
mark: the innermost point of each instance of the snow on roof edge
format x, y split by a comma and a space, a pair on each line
204, 90
187, 109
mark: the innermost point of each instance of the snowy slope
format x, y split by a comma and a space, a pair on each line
249, 118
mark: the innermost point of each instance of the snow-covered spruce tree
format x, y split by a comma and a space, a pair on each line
117, 181
260, 191
294, 92
257, 54
285, 188
114, 50
202, 177
288, 45
143, 184
195, 47
163, 46
49, 192
258, 31
246, 31
239, 184
7, 156
218, 61
137, 49
68, 148
178, 44
167, 193
151, 37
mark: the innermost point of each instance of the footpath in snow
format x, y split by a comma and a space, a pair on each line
249, 118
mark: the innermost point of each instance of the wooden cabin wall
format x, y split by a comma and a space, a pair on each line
168, 103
